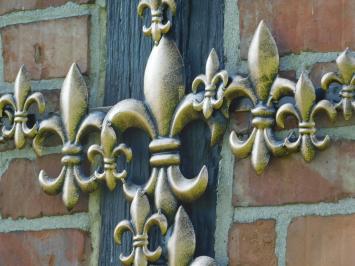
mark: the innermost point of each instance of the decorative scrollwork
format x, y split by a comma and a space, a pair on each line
345, 78
109, 153
163, 114
139, 226
304, 111
16, 108
157, 29
71, 127
263, 61
214, 94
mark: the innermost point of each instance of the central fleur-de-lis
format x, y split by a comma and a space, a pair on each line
346, 78
140, 225
214, 92
268, 88
305, 110
110, 153
19, 103
157, 28
71, 127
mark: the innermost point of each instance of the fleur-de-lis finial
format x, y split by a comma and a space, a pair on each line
157, 8
346, 78
214, 92
19, 103
268, 88
71, 127
139, 226
109, 151
305, 110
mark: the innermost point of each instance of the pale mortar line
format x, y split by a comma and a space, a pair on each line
74, 221
27, 16
281, 229
36, 85
95, 226
291, 211
231, 38
224, 208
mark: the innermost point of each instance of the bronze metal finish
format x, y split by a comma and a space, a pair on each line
163, 114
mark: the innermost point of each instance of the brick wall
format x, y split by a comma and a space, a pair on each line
295, 213
47, 36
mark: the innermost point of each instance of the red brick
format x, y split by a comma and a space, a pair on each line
252, 244
318, 25
329, 177
47, 48
51, 247
325, 241
21, 195
7, 6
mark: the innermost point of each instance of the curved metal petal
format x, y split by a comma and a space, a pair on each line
293, 145
187, 189
131, 113
263, 61
171, 4
93, 151
327, 107
185, 113
239, 88
51, 185
35, 98
198, 81
143, 5
52, 125
29, 132
182, 243
86, 184
120, 229
282, 87
222, 76
92, 121
131, 189
73, 101
22, 87
320, 144
124, 150
284, 111
260, 155
330, 78
277, 147
7, 100
240, 148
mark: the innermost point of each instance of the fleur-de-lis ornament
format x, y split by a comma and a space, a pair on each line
268, 88
19, 103
345, 78
305, 110
109, 151
140, 225
214, 91
71, 127
157, 29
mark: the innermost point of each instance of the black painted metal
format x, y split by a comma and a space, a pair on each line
198, 27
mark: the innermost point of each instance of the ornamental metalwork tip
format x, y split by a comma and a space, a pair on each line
157, 9
71, 126
164, 113
16, 109
346, 79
